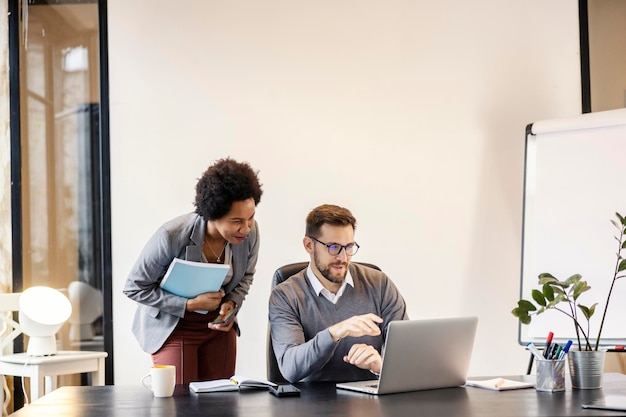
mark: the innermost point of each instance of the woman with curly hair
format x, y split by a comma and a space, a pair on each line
173, 329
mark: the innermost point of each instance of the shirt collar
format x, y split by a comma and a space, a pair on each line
319, 288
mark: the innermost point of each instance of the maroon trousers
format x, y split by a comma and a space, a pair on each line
199, 353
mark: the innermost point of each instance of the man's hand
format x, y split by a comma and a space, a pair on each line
224, 309
364, 357
356, 326
208, 301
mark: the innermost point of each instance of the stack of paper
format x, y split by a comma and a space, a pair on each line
499, 384
189, 279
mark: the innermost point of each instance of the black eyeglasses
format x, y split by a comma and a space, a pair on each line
334, 249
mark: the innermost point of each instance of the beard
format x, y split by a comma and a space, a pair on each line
326, 272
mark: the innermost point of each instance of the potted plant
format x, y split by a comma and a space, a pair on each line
563, 296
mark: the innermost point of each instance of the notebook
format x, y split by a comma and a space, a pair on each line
421, 355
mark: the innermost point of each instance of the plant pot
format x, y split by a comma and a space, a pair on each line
586, 368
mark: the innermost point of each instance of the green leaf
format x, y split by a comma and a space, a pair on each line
579, 288
546, 278
526, 305
588, 311
621, 218
548, 292
553, 282
585, 310
624, 245
539, 297
522, 315
557, 300
622, 265
574, 279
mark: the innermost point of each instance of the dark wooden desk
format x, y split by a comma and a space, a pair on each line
319, 399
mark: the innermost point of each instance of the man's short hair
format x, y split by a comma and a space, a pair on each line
328, 214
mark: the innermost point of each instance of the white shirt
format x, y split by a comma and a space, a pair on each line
319, 288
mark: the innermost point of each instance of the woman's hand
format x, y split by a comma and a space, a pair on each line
208, 301
224, 309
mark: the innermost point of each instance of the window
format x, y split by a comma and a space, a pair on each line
60, 209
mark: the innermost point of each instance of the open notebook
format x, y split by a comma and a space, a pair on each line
234, 383
422, 354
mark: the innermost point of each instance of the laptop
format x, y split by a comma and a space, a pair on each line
422, 354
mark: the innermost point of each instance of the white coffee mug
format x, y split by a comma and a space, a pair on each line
162, 380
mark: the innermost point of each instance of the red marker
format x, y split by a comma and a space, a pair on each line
548, 342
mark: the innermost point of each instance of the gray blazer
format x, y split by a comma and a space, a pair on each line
159, 311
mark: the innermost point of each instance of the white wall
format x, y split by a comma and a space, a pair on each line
410, 113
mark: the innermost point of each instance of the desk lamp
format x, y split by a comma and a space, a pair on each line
43, 311
87, 304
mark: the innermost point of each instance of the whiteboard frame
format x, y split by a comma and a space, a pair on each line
600, 128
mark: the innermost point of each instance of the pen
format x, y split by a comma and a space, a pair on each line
551, 351
546, 349
557, 354
617, 348
534, 351
565, 349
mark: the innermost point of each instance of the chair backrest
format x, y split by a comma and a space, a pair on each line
283, 273
10, 329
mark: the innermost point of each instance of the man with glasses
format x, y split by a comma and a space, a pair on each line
329, 321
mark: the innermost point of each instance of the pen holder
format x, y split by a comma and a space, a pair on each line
550, 375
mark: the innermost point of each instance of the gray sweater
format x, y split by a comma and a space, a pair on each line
300, 320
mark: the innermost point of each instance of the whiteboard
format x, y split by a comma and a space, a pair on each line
574, 183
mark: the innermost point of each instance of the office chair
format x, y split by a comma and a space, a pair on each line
283, 273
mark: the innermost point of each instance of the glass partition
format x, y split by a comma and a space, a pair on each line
59, 62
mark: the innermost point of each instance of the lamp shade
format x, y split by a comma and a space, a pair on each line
43, 310
87, 304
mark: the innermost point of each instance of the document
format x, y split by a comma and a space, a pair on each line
499, 384
189, 279
235, 383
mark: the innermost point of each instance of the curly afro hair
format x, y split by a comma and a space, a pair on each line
223, 183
